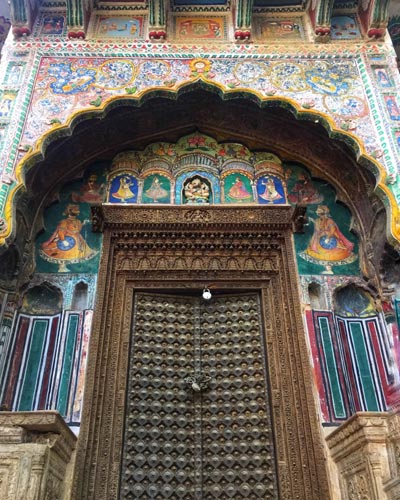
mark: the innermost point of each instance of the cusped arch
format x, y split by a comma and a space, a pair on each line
317, 123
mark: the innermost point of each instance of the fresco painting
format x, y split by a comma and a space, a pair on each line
156, 189
200, 28
120, 27
301, 188
237, 189
197, 190
52, 25
91, 191
270, 190
396, 135
68, 244
344, 28
123, 189
6, 105
43, 299
281, 29
354, 302
14, 73
382, 77
392, 107
327, 245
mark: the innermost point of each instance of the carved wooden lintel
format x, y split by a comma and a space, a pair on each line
120, 216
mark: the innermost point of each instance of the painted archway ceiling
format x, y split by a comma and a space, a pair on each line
274, 129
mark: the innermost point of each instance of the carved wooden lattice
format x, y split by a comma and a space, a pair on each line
213, 441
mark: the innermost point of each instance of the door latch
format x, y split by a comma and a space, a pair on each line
197, 383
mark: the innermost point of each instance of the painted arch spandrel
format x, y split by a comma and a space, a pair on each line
327, 245
68, 244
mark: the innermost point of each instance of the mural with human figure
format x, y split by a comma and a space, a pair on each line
327, 245
68, 244
156, 189
50, 331
270, 190
237, 189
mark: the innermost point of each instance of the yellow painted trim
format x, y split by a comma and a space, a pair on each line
38, 152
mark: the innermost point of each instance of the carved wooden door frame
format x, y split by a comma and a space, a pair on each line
186, 247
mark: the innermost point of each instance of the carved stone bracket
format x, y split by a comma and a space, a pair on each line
359, 448
35, 450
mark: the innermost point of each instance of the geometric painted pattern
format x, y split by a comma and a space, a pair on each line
352, 363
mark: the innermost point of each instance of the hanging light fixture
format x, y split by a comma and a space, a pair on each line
206, 294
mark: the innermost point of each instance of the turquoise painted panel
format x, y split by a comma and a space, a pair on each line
327, 246
35, 359
68, 243
63, 394
363, 367
331, 368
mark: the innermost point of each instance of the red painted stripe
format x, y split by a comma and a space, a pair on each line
316, 365
340, 369
16, 361
378, 357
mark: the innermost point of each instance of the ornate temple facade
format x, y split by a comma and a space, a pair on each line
200, 250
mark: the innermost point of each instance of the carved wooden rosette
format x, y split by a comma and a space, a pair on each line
177, 248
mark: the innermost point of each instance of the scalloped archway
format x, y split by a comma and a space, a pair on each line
275, 124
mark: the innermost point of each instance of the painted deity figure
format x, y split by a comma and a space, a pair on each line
67, 244
239, 192
270, 193
124, 191
304, 191
156, 192
90, 192
327, 242
196, 191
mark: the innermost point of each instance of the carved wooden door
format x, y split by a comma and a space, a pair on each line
197, 421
